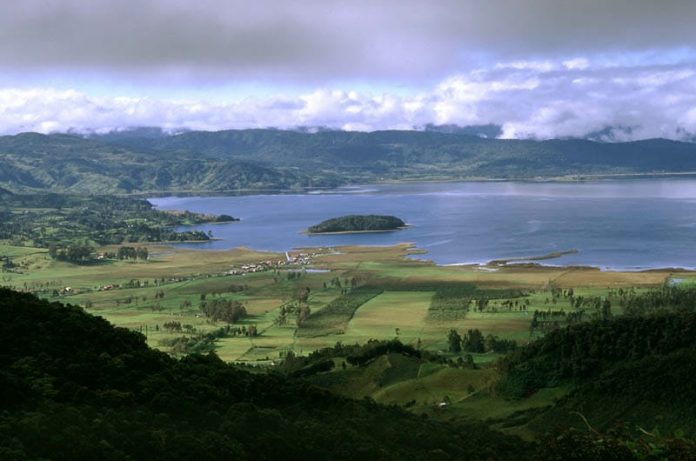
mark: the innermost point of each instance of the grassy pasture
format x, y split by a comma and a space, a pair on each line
381, 316
408, 286
335, 316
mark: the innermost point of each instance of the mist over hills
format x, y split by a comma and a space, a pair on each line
148, 160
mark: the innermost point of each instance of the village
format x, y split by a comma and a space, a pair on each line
299, 259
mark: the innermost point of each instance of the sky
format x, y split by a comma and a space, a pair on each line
614, 70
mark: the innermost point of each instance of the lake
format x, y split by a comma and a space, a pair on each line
626, 224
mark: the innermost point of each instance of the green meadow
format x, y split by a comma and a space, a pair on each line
359, 294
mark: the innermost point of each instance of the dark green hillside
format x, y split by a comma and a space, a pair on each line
257, 159
73, 387
414, 152
45, 220
638, 368
654, 392
72, 164
586, 350
357, 223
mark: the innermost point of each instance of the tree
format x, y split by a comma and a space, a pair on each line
303, 315
126, 252
141, 253
473, 341
221, 309
52, 250
606, 309
455, 341
469, 361
303, 294
78, 253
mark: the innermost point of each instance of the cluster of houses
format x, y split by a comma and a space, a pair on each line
301, 259
258, 267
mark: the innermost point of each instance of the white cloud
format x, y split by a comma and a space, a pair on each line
564, 98
576, 63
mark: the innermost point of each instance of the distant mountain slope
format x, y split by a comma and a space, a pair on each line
150, 161
65, 163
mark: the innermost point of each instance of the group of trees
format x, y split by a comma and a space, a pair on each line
78, 253
452, 301
225, 310
667, 298
549, 320
126, 252
474, 341
357, 223
60, 220
586, 349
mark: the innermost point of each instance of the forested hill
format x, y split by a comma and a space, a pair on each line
73, 387
637, 369
147, 161
357, 223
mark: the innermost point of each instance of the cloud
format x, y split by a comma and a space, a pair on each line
568, 97
323, 41
618, 70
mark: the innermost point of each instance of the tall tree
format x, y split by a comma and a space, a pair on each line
454, 340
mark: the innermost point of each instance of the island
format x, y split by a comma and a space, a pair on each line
224, 218
357, 223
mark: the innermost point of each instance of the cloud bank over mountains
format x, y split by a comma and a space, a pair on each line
572, 98
617, 70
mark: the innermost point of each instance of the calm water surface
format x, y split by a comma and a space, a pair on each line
629, 224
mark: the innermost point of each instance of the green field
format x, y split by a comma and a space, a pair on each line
398, 303
391, 314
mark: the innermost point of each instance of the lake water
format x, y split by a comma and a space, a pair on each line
628, 224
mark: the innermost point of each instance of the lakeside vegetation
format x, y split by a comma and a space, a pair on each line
357, 223
72, 227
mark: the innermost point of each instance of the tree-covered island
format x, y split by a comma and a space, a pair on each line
357, 223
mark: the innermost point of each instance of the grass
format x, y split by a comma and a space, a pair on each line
391, 314
408, 288
335, 316
20, 251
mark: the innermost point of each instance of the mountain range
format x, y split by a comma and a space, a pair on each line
151, 161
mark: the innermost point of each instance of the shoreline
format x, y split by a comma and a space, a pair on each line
572, 178
411, 250
518, 262
529, 259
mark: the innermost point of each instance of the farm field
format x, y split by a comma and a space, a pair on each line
172, 284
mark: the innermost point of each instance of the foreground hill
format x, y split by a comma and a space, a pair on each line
273, 159
72, 387
635, 369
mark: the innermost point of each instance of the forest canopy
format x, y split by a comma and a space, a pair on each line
357, 223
